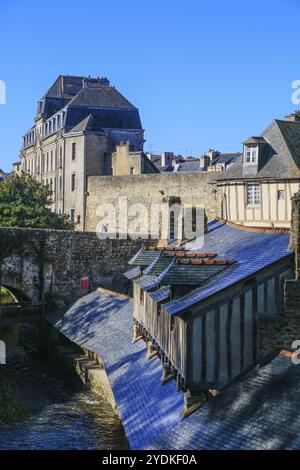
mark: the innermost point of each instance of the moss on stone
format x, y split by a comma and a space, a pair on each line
10, 410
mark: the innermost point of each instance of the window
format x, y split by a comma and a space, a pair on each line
141, 295
281, 195
73, 182
251, 154
47, 164
51, 161
172, 225
253, 194
172, 323
132, 170
73, 151
60, 158
78, 219
72, 216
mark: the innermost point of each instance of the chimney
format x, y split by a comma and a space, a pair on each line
294, 116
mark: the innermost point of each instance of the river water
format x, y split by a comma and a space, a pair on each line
57, 415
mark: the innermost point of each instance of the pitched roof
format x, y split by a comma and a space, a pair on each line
83, 125
100, 97
280, 159
257, 411
226, 158
252, 252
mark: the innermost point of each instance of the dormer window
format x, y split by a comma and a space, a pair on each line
251, 154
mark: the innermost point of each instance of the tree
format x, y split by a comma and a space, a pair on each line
24, 202
10, 243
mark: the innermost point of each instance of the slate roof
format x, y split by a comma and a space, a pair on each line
281, 155
102, 118
160, 294
255, 412
144, 257
226, 158
103, 323
252, 252
182, 274
100, 97
82, 96
133, 273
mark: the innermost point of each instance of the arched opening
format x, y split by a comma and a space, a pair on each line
11, 295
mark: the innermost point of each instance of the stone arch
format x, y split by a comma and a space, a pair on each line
17, 294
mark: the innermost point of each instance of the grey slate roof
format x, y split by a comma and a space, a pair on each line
226, 158
252, 252
257, 411
144, 257
181, 274
100, 97
82, 96
281, 156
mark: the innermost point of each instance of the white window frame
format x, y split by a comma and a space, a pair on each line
253, 194
251, 154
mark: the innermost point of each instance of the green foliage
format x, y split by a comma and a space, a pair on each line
24, 202
10, 410
6, 296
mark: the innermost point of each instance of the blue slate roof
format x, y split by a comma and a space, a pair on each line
251, 250
103, 323
133, 273
160, 294
255, 412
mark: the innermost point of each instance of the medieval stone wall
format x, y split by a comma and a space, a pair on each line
65, 257
190, 188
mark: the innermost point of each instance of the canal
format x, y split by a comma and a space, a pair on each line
54, 413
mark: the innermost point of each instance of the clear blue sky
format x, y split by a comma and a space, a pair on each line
202, 73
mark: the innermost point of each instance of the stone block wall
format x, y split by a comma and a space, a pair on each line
65, 257
191, 188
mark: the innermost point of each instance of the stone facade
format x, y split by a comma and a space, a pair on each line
78, 124
60, 259
183, 188
125, 162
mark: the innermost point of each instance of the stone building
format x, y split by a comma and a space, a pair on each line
149, 190
17, 168
257, 189
79, 122
125, 162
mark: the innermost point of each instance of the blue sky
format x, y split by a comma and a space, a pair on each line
204, 74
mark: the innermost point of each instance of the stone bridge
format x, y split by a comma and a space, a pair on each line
64, 265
